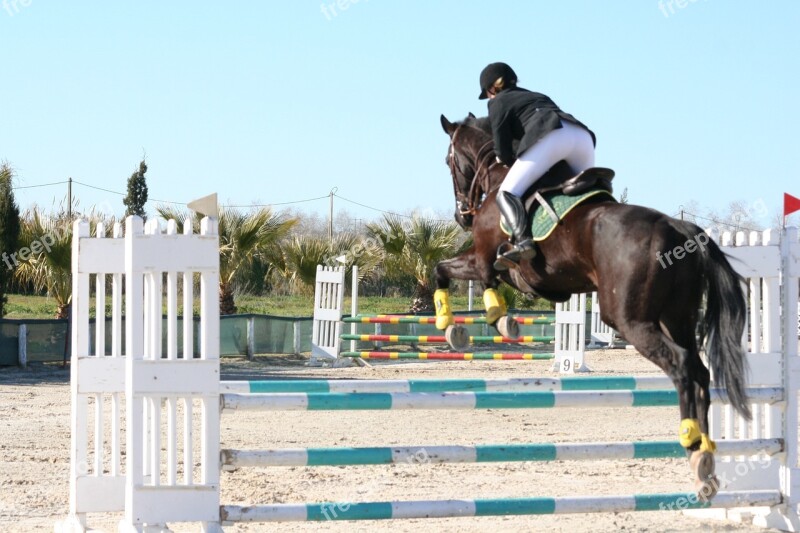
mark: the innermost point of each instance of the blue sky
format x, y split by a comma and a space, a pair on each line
274, 102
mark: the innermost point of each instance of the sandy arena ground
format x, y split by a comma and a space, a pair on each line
34, 439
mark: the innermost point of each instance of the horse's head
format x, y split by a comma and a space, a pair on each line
469, 157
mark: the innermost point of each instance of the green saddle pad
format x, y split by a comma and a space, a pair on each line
542, 224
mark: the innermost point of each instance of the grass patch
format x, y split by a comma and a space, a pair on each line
304, 305
22, 306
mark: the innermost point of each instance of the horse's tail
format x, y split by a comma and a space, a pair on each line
723, 323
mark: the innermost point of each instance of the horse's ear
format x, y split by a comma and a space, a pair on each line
471, 115
447, 126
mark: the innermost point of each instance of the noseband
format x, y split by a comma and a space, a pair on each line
469, 203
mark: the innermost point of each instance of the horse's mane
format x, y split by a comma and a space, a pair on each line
482, 123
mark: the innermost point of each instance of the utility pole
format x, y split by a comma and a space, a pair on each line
69, 200
330, 219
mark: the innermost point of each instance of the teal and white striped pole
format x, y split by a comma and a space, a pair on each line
488, 453
322, 512
371, 401
567, 383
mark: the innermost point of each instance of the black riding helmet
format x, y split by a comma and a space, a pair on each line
498, 74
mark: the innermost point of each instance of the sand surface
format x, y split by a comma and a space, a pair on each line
34, 463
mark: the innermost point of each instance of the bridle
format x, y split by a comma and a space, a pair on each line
469, 203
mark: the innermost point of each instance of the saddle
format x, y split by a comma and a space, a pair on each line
556, 197
595, 178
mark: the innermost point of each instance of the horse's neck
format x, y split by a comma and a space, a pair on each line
496, 173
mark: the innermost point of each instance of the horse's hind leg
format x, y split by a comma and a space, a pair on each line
702, 451
682, 364
497, 311
696, 438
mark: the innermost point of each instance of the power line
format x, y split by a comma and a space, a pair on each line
232, 205
41, 185
380, 210
720, 222
185, 203
283, 203
123, 194
97, 188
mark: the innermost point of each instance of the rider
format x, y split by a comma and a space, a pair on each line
546, 135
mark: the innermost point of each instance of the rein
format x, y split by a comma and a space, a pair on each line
470, 203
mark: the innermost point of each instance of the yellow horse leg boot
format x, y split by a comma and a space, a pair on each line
701, 460
495, 305
497, 314
444, 315
689, 433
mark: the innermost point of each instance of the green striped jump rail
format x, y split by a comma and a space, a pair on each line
445, 356
485, 453
411, 319
370, 401
321, 512
441, 338
566, 383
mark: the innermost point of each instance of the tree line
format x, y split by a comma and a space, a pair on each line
265, 252
262, 251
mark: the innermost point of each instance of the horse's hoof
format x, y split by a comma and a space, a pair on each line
706, 482
706, 490
507, 327
457, 337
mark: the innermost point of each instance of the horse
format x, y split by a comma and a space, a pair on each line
618, 250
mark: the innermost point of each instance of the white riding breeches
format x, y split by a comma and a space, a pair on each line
571, 143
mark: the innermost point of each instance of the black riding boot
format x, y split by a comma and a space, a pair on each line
517, 220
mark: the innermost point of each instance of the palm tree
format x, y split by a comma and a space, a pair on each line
413, 247
244, 238
304, 252
45, 255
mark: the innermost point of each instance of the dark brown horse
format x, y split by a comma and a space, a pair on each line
651, 272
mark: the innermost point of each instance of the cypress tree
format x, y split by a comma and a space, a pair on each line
137, 192
9, 233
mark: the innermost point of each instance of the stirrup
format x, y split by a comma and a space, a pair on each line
513, 254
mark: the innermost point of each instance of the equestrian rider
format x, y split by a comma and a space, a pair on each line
546, 135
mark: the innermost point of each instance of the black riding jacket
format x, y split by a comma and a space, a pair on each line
517, 114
